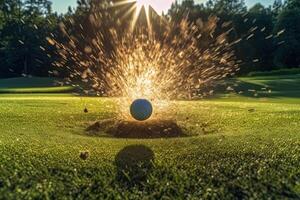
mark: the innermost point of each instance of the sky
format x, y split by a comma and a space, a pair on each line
61, 6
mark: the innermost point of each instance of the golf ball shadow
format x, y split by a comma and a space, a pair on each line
141, 109
134, 163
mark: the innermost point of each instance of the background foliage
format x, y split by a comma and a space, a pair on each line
25, 25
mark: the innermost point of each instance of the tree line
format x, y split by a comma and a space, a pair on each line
271, 35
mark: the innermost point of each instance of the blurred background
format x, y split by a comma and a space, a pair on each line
25, 26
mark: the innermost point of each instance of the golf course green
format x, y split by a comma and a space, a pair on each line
238, 146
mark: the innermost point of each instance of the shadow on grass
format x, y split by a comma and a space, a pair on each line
134, 163
267, 87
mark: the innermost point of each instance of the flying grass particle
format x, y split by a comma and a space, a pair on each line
84, 155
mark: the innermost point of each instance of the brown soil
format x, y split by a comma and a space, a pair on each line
135, 129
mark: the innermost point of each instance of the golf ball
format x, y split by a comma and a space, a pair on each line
141, 109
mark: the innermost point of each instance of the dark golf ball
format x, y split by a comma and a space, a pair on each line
141, 109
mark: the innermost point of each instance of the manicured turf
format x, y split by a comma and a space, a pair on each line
241, 146
285, 87
239, 149
278, 72
32, 85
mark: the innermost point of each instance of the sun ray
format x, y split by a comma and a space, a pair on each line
131, 9
135, 16
137, 7
124, 2
147, 11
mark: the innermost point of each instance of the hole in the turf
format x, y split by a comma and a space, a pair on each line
135, 129
134, 163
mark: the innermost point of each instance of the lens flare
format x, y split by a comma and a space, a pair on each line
137, 6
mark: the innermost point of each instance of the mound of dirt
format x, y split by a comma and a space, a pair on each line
135, 129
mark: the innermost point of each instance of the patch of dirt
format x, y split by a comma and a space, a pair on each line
101, 126
136, 129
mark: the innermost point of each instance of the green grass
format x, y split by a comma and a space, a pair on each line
240, 147
285, 87
32, 85
278, 72
37, 90
240, 154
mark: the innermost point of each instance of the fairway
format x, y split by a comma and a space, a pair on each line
236, 148
32, 85
149, 99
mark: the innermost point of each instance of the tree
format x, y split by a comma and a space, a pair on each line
23, 34
288, 54
260, 46
227, 6
10, 34
277, 8
292, 4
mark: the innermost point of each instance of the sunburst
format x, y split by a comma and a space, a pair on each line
137, 7
182, 60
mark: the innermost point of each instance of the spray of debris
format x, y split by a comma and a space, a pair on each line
181, 60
